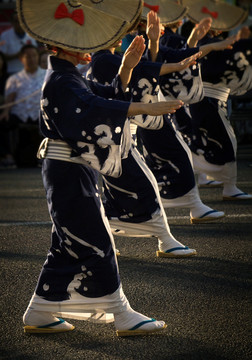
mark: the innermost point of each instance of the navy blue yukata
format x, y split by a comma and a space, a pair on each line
223, 72
132, 196
163, 152
80, 274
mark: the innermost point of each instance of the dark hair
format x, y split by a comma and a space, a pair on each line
4, 68
27, 46
186, 28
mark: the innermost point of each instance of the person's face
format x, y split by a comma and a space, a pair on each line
86, 58
30, 60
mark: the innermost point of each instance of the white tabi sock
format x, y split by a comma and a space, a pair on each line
203, 179
128, 319
192, 201
40, 318
231, 190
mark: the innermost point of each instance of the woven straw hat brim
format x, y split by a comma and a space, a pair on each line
105, 21
169, 12
224, 16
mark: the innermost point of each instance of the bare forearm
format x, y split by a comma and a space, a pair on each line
168, 68
125, 75
206, 49
136, 108
191, 41
154, 109
153, 48
219, 45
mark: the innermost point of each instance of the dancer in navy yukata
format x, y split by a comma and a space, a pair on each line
86, 129
213, 140
173, 40
168, 156
132, 201
164, 150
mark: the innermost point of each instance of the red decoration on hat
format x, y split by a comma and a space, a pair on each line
152, 7
62, 12
205, 10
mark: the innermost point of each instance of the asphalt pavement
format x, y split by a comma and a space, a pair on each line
205, 300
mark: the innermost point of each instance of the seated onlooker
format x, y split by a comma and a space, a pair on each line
22, 92
12, 40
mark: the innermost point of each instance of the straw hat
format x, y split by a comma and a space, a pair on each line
224, 16
78, 25
168, 11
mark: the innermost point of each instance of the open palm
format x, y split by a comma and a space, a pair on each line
133, 54
153, 28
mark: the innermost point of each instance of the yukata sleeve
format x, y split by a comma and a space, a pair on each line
239, 75
111, 91
185, 85
96, 129
170, 55
245, 47
144, 87
229, 68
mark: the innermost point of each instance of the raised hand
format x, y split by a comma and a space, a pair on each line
153, 28
155, 109
244, 33
130, 59
171, 67
163, 107
133, 54
199, 31
219, 45
202, 28
187, 62
225, 44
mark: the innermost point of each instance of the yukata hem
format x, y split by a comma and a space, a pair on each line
100, 309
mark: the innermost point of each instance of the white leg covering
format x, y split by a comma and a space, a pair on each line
130, 322
158, 225
226, 173
199, 212
42, 322
206, 181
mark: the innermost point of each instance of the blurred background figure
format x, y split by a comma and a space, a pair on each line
6, 159
22, 93
12, 41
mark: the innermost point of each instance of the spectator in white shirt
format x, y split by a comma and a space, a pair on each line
12, 40
22, 92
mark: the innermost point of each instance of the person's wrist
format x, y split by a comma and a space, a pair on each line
154, 42
127, 68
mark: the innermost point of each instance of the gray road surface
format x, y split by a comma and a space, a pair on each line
206, 300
